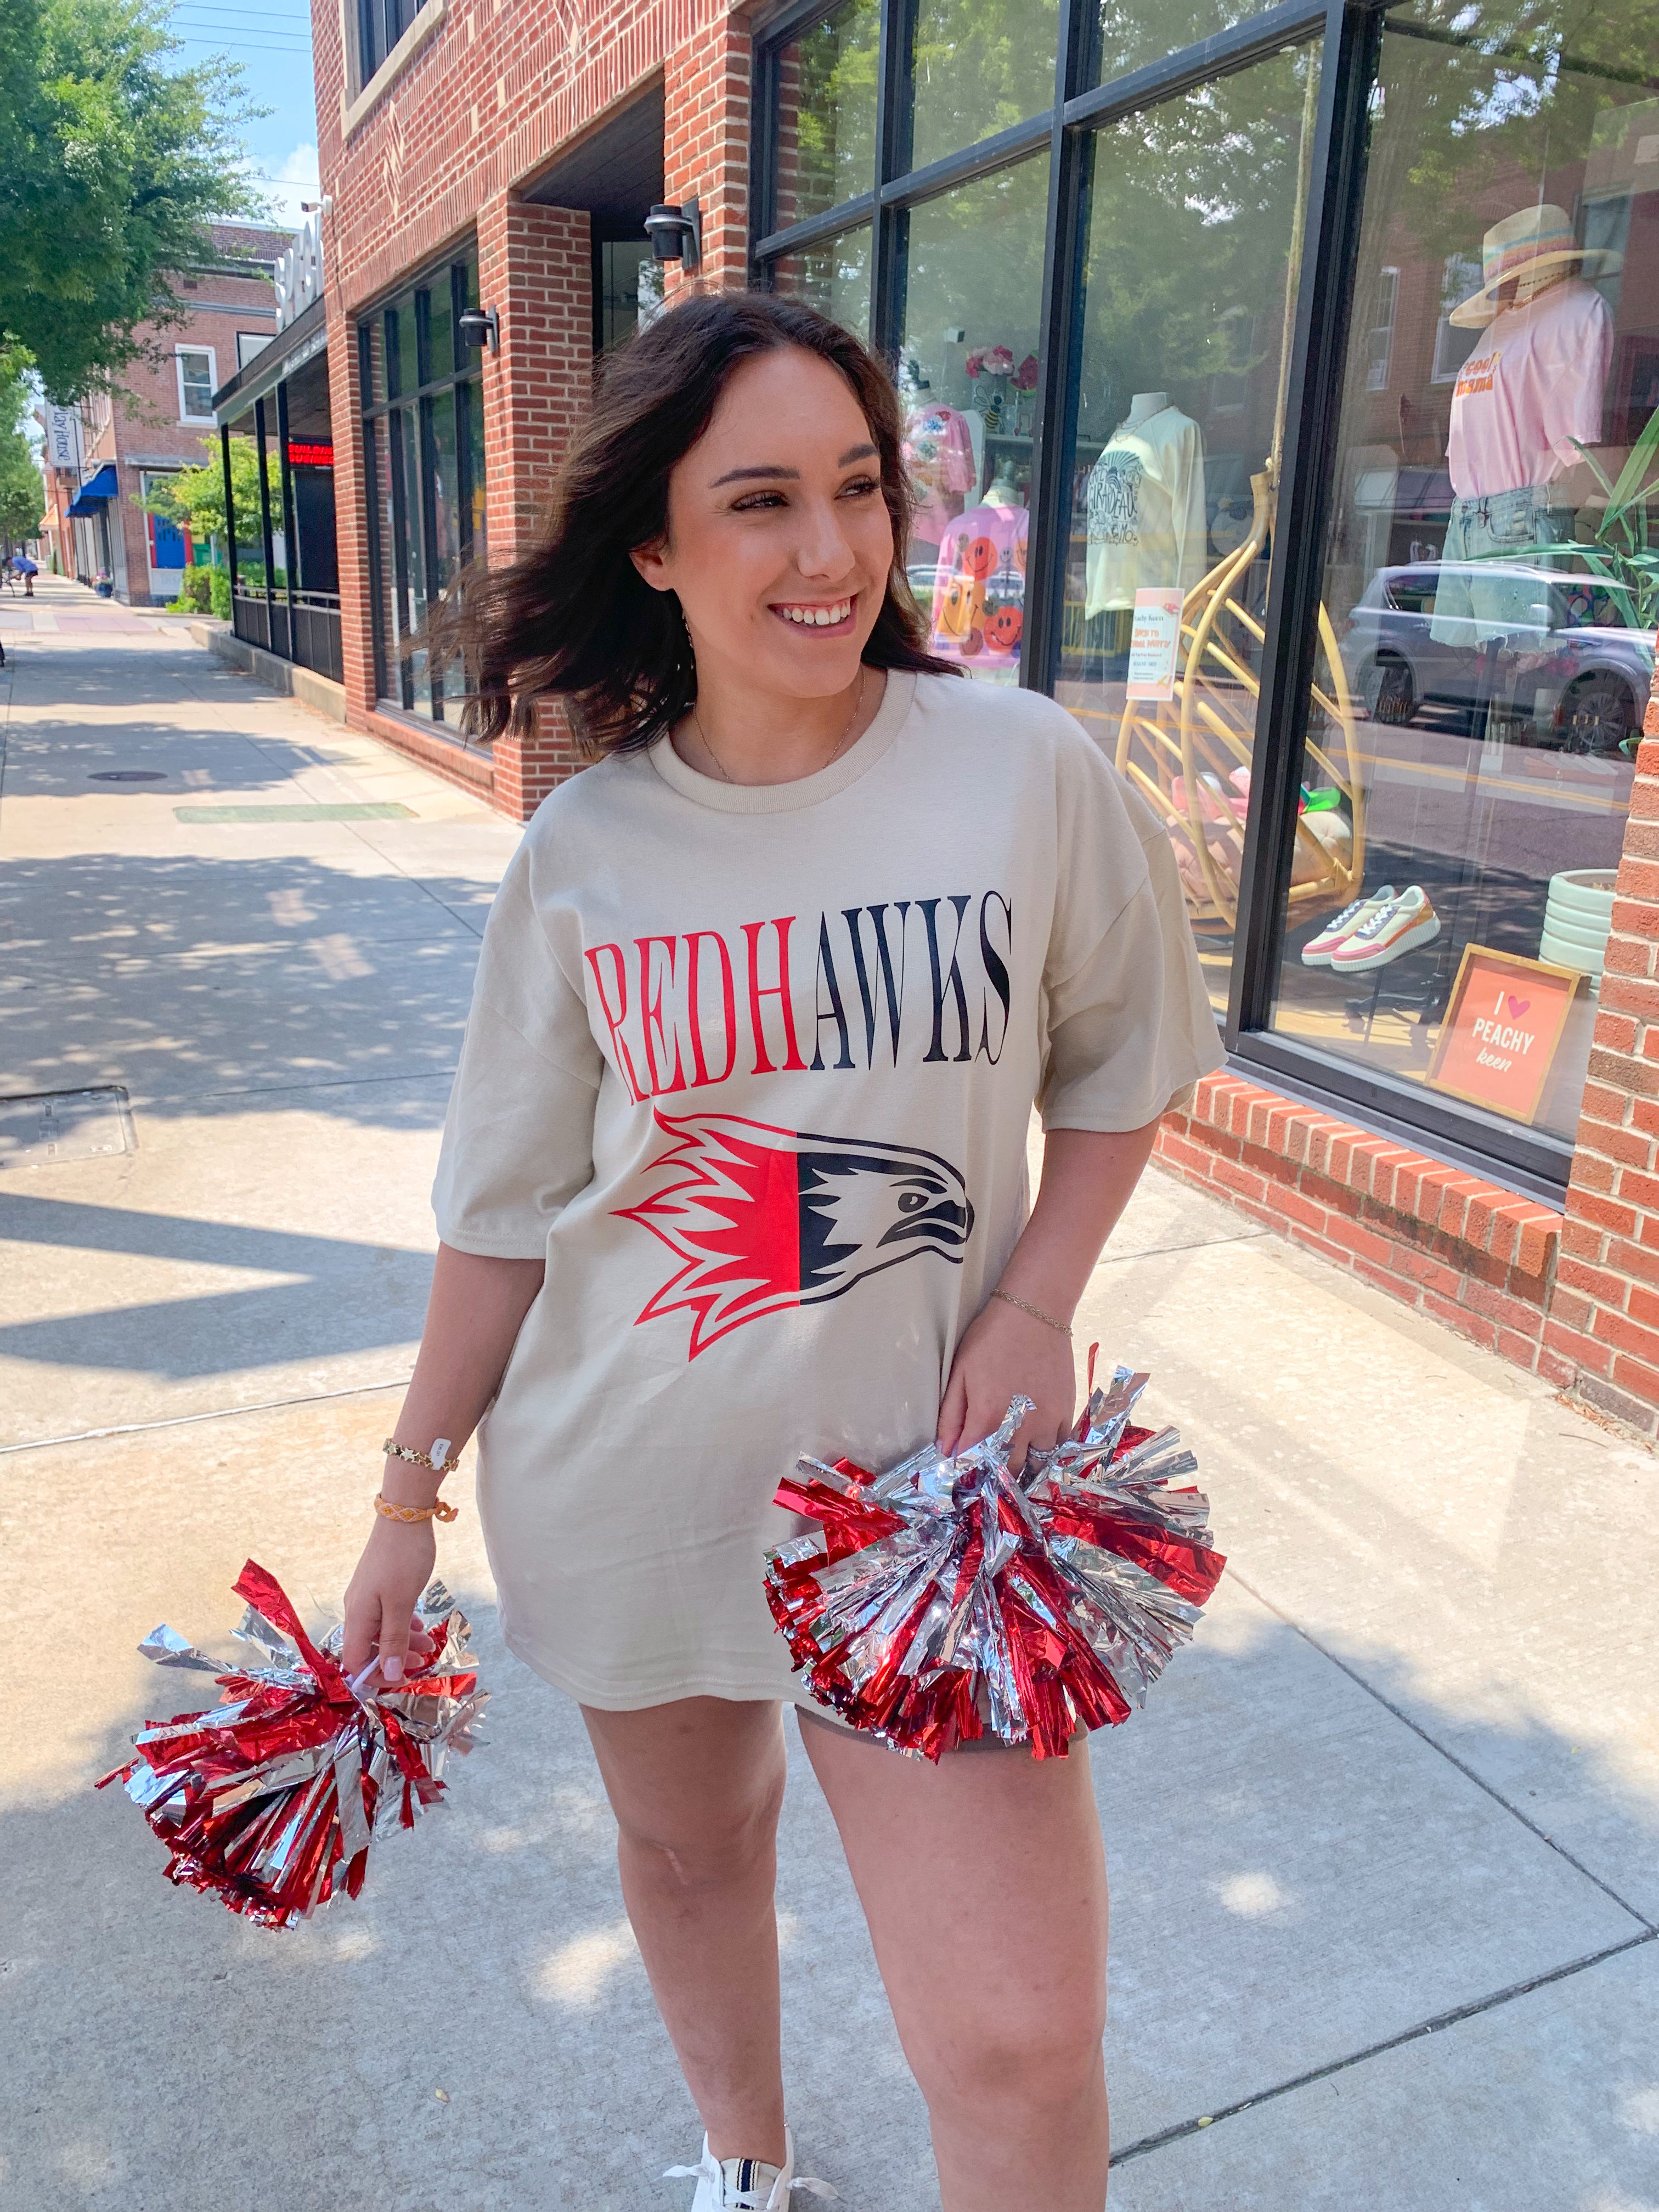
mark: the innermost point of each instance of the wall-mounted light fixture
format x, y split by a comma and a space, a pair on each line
480, 326
676, 235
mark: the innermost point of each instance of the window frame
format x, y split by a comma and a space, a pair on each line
1348, 38
407, 415
210, 354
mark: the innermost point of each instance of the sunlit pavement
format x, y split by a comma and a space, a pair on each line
1383, 1845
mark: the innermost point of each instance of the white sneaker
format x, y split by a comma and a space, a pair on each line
1401, 927
1318, 952
746, 2184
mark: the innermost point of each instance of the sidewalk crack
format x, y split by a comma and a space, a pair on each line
1440, 2019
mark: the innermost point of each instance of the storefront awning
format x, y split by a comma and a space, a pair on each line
303, 339
96, 489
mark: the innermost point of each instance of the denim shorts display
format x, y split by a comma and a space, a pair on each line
1472, 603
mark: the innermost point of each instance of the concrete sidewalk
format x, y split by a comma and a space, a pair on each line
1383, 1846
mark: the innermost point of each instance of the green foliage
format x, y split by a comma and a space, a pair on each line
112, 163
196, 596
22, 503
195, 498
219, 592
1620, 551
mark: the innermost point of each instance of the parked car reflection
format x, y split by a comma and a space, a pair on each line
1568, 675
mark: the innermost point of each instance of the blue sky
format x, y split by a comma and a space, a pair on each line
271, 39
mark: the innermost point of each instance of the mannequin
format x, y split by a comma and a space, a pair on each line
938, 456
1527, 398
1146, 506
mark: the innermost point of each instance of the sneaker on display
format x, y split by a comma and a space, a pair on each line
746, 2184
1317, 952
1401, 927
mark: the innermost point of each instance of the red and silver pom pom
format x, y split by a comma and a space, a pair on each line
271, 1799
950, 1596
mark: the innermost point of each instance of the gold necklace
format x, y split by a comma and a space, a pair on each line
841, 742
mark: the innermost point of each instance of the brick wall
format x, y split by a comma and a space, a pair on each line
351, 515
1440, 1240
1605, 1314
706, 146
492, 98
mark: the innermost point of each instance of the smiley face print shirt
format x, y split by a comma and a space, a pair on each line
753, 1067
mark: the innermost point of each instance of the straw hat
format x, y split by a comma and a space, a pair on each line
1527, 250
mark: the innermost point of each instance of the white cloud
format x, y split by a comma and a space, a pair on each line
291, 180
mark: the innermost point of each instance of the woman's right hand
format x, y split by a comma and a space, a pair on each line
380, 1620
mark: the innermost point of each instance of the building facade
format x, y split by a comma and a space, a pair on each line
102, 457
1259, 363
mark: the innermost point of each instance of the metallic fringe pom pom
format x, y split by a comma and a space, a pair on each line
949, 1597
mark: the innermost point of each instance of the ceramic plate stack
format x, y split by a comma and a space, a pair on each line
1576, 919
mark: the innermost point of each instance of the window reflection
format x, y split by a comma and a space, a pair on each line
979, 66
1495, 612
1131, 34
834, 278
825, 146
967, 375
1191, 259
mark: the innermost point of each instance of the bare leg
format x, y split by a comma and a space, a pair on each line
696, 1787
983, 1879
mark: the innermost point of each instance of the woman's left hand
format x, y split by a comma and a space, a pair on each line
1006, 1354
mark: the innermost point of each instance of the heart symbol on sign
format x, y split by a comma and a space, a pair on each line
1518, 1006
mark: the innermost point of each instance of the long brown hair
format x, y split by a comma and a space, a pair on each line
575, 618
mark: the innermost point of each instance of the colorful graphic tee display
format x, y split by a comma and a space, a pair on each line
1533, 385
752, 1066
1146, 511
979, 587
938, 459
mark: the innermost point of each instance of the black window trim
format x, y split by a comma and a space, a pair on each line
1347, 34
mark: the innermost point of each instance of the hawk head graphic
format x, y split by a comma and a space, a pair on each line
762, 1217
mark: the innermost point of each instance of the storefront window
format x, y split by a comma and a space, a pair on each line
979, 66
824, 147
1487, 604
834, 278
1190, 268
968, 373
1132, 34
423, 442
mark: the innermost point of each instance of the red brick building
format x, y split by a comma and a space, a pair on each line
109, 452
1352, 708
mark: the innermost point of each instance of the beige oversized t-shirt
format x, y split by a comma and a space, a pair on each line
753, 1067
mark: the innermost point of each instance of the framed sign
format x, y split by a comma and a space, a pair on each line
1154, 642
1502, 1029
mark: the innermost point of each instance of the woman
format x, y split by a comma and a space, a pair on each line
734, 1169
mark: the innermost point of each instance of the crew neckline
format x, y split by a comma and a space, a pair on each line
803, 791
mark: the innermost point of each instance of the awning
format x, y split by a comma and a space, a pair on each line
96, 489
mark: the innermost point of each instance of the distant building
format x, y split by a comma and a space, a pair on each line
101, 457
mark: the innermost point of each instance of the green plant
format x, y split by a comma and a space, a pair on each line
195, 595
219, 592
1620, 552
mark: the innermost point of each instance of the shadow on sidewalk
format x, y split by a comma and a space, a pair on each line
1296, 1879
191, 977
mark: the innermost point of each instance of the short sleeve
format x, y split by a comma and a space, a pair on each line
1130, 1028
518, 1142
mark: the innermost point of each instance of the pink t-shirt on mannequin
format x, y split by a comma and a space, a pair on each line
938, 456
1533, 384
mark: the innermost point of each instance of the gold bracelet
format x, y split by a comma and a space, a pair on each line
1036, 1312
436, 1511
438, 1459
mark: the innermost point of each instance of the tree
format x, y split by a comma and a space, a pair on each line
195, 498
22, 502
112, 166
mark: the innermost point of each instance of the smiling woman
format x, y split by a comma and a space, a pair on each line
608, 612
735, 1166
